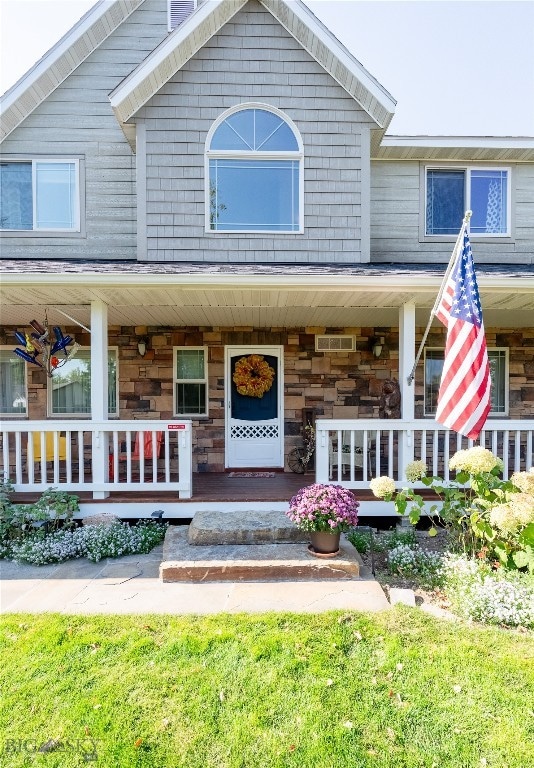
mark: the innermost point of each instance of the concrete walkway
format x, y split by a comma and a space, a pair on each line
131, 585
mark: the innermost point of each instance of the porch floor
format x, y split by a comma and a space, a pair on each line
217, 487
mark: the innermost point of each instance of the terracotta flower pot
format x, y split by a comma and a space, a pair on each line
325, 542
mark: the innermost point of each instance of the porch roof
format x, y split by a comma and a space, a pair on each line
259, 295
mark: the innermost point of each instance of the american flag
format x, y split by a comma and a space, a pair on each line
464, 392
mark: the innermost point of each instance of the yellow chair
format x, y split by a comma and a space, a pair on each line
49, 447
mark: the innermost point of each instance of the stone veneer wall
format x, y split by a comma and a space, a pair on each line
520, 345
334, 384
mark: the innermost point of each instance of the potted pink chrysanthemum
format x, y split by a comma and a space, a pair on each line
325, 511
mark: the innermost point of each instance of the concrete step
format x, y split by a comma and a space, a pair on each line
243, 527
183, 562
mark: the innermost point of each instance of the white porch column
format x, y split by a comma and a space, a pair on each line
406, 361
99, 392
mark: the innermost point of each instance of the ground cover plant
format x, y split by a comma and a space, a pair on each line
45, 532
393, 690
91, 541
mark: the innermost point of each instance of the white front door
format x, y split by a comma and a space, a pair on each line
254, 425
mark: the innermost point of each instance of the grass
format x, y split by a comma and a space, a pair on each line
393, 690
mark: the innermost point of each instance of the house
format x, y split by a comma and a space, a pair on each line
209, 199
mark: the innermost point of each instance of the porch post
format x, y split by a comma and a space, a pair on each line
406, 362
99, 392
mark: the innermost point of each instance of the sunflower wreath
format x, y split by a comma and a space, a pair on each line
253, 376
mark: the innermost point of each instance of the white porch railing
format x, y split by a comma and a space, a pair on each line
98, 456
350, 452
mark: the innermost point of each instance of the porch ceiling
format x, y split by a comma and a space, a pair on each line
249, 305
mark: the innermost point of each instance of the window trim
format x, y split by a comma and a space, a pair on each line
38, 232
492, 414
22, 415
218, 154
111, 414
424, 236
176, 380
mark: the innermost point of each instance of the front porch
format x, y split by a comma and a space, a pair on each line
135, 440
98, 462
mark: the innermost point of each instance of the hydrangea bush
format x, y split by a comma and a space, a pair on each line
484, 514
92, 541
324, 507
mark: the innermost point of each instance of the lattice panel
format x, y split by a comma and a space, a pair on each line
254, 431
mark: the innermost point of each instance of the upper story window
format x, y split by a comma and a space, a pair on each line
498, 362
450, 192
254, 168
13, 395
69, 389
40, 195
179, 10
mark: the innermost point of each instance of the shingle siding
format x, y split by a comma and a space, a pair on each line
253, 59
76, 120
396, 213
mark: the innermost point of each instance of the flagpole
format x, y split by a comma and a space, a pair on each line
450, 265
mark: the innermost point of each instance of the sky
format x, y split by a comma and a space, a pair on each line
460, 67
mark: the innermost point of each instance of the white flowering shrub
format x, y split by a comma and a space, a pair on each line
411, 561
92, 541
485, 515
490, 596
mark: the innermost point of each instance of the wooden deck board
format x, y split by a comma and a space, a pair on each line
218, 487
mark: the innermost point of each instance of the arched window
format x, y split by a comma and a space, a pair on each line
254, 172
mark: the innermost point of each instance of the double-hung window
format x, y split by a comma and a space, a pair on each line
254, 172
39, 195
190, 381
13, 394
69, 389
451, 191
498, 362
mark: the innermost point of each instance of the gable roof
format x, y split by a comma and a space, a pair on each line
152, 74
61, 60
104, 18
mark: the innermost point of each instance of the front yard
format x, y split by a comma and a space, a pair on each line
393, 690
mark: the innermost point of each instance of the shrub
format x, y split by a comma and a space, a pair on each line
364, 541
17, 521
482, 512
360, 540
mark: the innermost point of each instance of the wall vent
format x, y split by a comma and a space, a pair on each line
335, 343
179, 10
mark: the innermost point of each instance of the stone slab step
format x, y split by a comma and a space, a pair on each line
250, 527
249, 562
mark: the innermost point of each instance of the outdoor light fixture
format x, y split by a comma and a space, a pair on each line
378, 345
141, 346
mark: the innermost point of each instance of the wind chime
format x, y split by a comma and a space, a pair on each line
41, 350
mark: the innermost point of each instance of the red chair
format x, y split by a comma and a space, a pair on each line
147, 450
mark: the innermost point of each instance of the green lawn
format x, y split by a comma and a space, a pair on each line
392, 690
